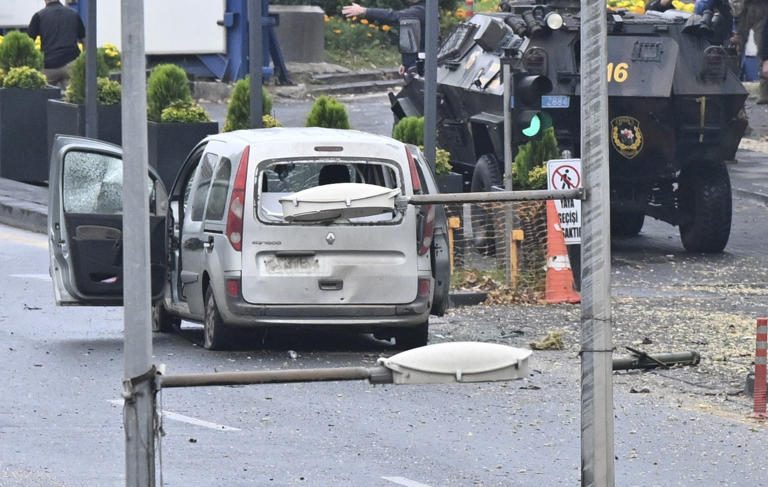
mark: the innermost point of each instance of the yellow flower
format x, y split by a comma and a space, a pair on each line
326, 18
364, 21
374, 27
337, 31
370, 35
386, 28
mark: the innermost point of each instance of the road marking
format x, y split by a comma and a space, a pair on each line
404, 482
42, 277
185, 419
27, 238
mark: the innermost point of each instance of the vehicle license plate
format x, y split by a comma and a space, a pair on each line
291, 265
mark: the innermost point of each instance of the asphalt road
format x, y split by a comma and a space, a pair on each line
61, 424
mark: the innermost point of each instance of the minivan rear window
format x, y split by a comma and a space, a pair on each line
277, 179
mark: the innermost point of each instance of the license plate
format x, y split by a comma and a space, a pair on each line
291, 265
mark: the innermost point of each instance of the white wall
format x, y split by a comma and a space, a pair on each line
18, 13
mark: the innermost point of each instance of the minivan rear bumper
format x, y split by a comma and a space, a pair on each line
238, 312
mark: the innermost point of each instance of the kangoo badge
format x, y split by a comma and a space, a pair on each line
626, 136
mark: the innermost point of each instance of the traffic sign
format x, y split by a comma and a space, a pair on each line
566, 174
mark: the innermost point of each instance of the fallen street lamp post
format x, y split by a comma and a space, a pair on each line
442, 363
494, 196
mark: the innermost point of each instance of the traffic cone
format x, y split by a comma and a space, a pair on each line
559, 284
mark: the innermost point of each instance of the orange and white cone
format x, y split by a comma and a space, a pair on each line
559, 284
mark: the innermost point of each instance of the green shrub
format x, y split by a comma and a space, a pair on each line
239, 108
167, 83
268, 121
409, 130
109, 91
24, 77
18, 49
76, 89
111, 56
2, 76
184, 112
529, 160
357, 35
442, 161
329, 113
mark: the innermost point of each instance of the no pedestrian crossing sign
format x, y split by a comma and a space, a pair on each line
566, 174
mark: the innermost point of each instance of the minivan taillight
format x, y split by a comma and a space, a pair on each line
415, 181
234, 230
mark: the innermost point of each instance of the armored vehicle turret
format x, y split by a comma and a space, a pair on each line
675, 108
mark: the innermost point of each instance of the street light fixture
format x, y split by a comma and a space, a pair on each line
441, 363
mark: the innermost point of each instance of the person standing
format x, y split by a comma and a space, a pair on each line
751, 15
60, 29
415, 10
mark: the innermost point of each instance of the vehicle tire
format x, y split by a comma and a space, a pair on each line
216, 335
485, 175
627, 223
162, 320
706, 207
412, 336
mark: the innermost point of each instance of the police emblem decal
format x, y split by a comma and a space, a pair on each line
626, 136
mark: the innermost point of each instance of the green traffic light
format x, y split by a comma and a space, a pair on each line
533, 128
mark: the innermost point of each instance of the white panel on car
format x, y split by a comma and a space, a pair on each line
339, 200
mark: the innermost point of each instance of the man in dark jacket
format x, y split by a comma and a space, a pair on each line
389, 16
60, 29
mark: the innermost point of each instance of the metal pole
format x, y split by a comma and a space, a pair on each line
139, 405
430, 83
91, 87
256, 60
597, 462
506, 74
493, 196
377, 375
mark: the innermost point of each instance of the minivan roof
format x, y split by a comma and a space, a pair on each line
306, 135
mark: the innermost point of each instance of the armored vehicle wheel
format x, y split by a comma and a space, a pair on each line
484, 177
162, 321
627, 223
216, 335
705, 203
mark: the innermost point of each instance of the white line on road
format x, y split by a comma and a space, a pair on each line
405, 482
42, 277
185, 419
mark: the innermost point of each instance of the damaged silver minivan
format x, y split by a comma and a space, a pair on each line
267, 228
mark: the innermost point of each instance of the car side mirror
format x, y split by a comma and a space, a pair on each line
410, 36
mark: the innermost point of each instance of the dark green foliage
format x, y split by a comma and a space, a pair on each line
110, 91
409, 130
18, 49
167, 83
329, 113
184, 112
239, 108
529, 172
76, 88
24, 77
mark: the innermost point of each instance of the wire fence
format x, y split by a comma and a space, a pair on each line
499, 248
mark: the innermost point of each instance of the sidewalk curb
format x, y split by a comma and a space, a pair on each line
24, 215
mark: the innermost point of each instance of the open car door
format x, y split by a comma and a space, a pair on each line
85, 223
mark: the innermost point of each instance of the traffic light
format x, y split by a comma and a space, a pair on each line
529, 120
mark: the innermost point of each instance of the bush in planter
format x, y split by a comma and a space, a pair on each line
167, 84
239, 108
329, 113
410, 130
18, 49
184, 112
24, 77
109, 91
529, 171
111, 56
76, 89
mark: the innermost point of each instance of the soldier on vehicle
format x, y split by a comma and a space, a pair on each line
388, 16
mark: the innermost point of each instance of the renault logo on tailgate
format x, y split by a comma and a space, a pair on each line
330, 238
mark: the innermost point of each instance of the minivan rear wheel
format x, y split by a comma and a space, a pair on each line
412, 336
216, 335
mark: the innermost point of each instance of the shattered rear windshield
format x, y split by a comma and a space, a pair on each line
281, 178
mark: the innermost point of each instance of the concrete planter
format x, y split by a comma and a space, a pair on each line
23, 128
69, 119
451, 182
171, 143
